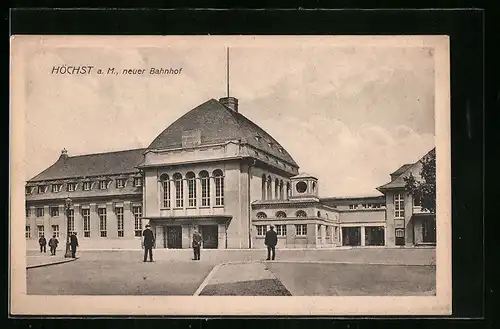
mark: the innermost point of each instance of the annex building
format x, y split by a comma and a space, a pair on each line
215, 170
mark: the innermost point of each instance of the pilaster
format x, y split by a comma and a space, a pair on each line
46, 221
111, 221
128, 221
94, 222
363, 236
222, 236
77, 209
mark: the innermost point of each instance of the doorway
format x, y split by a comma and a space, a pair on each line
429, 230
351, 236
210, 235
400, 237
174, 237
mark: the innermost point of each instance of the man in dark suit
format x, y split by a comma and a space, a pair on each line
271, 241
74, 244
148, 243
43, 243
196, 244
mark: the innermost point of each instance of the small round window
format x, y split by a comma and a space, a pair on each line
301, 187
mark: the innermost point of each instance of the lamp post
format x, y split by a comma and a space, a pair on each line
68, 246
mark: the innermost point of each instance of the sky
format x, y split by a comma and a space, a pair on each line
350, 115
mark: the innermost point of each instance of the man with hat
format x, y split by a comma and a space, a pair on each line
148, 243
271, 241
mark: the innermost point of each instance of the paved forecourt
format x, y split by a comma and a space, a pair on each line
122, 272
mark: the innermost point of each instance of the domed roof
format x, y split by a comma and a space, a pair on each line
217, 124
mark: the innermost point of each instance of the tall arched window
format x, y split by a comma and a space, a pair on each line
288, 190
219, 187
269, 189
261, 215
165, 185
205, 188
263, 187
282, 194
276, 188
280, 214
300, 213
191, 183
179, 190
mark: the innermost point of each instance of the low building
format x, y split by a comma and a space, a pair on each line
215, 170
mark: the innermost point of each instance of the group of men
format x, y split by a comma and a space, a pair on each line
54, 242
271, 240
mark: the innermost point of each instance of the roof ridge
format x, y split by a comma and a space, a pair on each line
101, 153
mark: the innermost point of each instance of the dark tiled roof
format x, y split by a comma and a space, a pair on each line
347, 200
219, 124
401, 170
100, 164
398, 182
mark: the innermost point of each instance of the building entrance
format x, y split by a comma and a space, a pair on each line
400, 237
210, 235
429, 231
375, 236
351, 236
173, 235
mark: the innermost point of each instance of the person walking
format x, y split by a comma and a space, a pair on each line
73, 243
196, 244
271, 241
43, 244
148, 243
53, 242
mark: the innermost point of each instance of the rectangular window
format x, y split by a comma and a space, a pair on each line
353, 206
119, 219
56, 188
41, 230
39, 212
55, 230
191, 192
219, 191
86, 186
138, 181
103, 185
86, 223
28, 212
120, 183
399, 206
71, 187
205, 192
400, 233
28, 232
137, 211
281, 230
102, 222
71, 220
417, 202
29, 190
54, 211
179, 194
301, 229
41, 189
261, 230
166, 194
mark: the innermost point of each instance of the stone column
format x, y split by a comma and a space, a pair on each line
185, 192
341, 240
363, 240
32, 222
111, 221
128, 221
198, 192
46, 221
212, 191
78, 220
186, 236
94, 222
323, 234
222, 236
63, 222
273, 192
312, 234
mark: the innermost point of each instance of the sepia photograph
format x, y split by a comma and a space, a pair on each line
230, 175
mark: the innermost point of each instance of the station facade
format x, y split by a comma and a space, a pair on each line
214, 170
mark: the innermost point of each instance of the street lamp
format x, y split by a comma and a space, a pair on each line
68, 246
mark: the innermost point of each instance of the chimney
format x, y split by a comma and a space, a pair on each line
230, 102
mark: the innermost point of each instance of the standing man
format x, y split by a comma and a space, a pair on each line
148, 243
53, 242
43, 244
271, 241
196, 244
74, 244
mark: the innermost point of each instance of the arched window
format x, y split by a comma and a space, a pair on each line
282, 194
301, 213
318, 214
165, 185
269, 189
205, 188
179, 190
280, 214
263, 187
191, 183
314, 187
288, 190
276, 188
219, 187
261, 215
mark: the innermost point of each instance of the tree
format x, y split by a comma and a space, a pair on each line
425, 189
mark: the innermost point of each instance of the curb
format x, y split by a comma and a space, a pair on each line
207, 279
347, 263
52, 263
